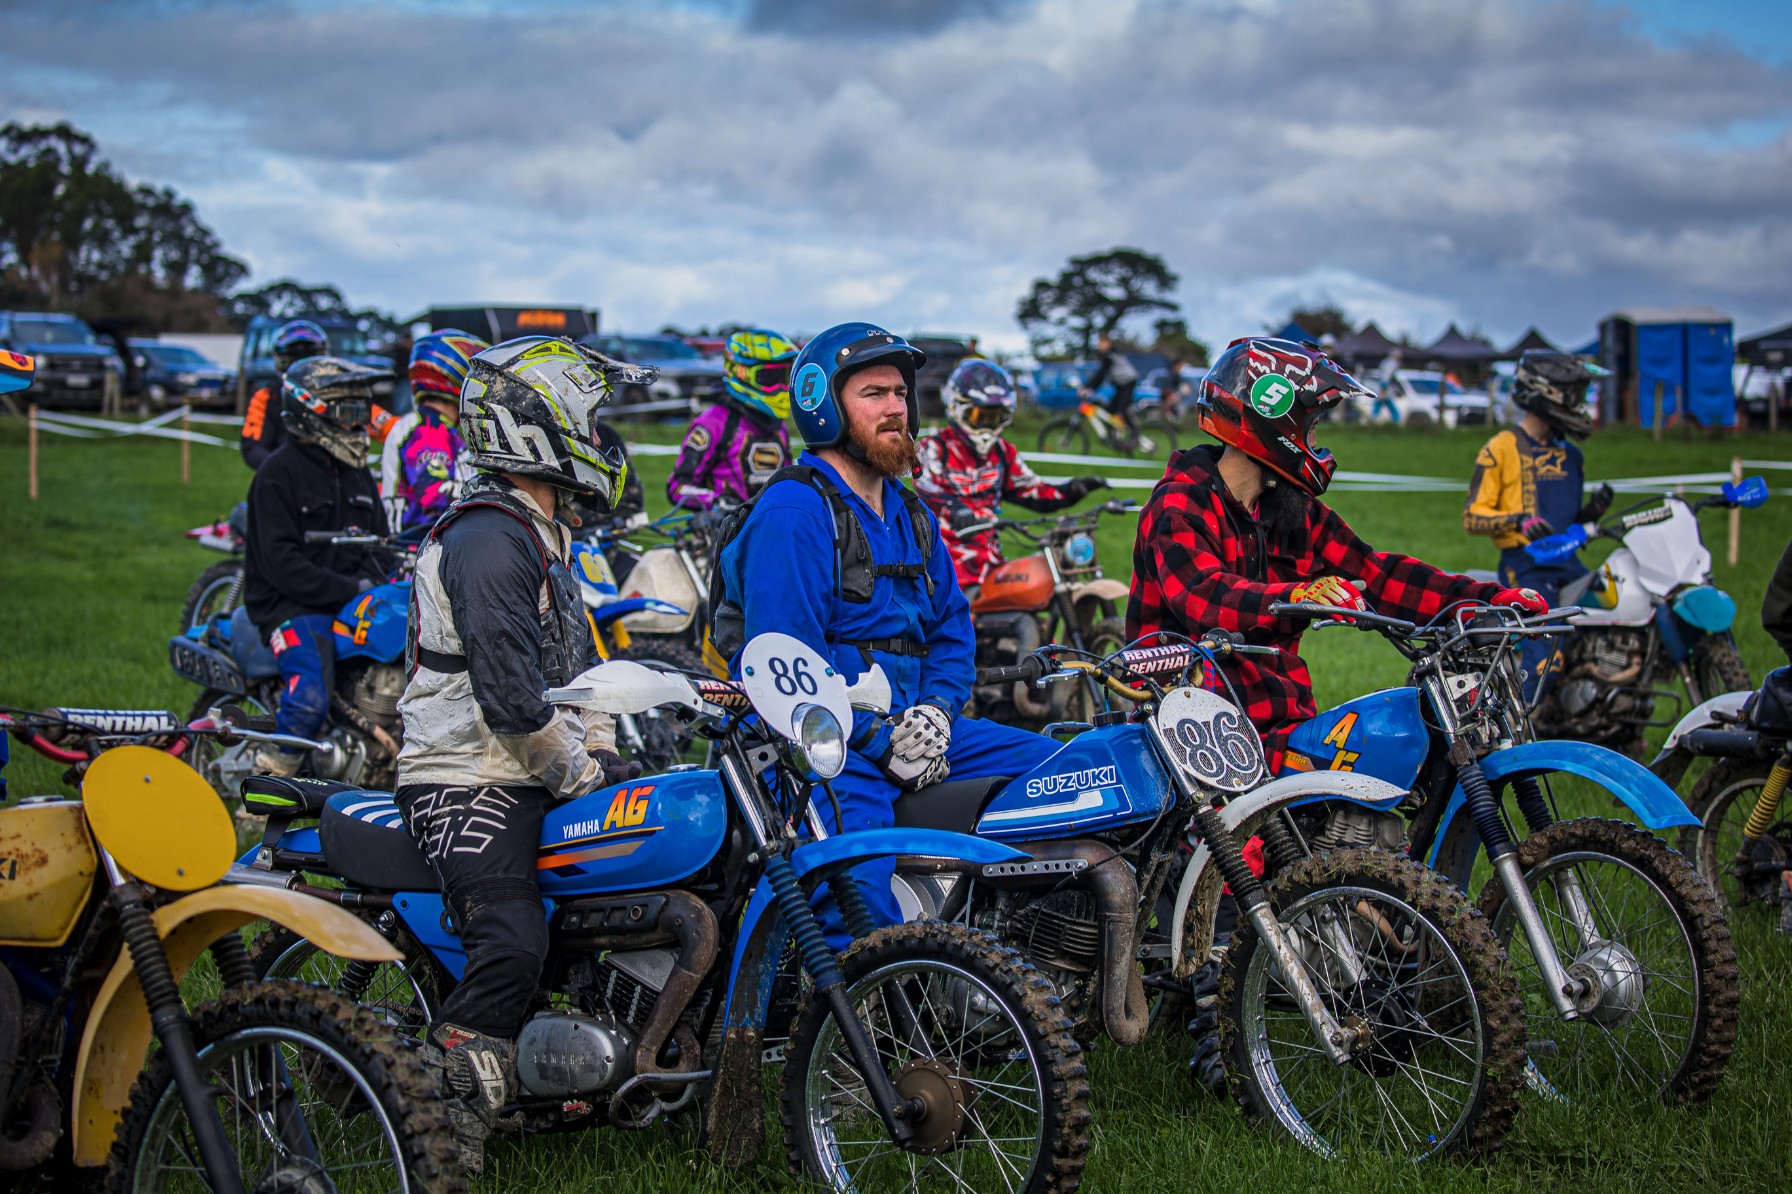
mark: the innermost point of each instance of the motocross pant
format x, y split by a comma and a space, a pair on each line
1541, 655
482, 842
1120, 406
979, 749
304, 650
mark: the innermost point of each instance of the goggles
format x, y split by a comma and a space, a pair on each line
987, 418
768, 377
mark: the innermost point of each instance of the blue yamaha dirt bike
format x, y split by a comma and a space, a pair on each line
1375, 1011
1628, 972
926, 1053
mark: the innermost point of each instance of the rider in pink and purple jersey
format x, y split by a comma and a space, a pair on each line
733, 448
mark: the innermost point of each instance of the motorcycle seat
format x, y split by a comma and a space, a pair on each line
955, 805
254, 658
366, 841
290, 796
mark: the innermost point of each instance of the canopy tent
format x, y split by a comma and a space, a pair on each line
1454, 348
1365, 347
1296, 333
1532, 341
1772, 349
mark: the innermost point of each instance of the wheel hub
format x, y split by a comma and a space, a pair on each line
1386, 1027
943, 1100
1616, 983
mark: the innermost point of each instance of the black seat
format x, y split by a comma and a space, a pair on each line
290, 796
1770, 709
365, 839
954, 805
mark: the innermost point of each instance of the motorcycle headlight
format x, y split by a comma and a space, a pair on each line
820, 745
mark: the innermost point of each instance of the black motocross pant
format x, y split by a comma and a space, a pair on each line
1121, 404
482, 842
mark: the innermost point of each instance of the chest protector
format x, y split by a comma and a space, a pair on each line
855, 575
567, 648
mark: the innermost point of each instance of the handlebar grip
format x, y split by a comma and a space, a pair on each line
1028, 669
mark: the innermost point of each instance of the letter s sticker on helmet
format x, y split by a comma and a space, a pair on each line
811, 387
1272, 395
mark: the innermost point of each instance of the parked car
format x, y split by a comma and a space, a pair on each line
943, 354
686, 375
1410, 396
255, 368
1756, 386
75, 367
1058, 383
173, 374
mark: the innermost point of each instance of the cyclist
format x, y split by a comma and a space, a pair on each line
1530, 482
263, 430
839, 554
1116, 367
316, 480
497, 619
967, 469
423, 460
734, 447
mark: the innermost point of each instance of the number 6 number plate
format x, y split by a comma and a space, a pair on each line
780, 672
1210, 739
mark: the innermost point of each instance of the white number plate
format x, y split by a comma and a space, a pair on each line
1210, 739
780, 672
77, 380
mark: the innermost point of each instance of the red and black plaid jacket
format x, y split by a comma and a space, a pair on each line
1202, 561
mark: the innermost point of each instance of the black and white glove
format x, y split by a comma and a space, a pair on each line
919, 736
614, 768
1082, 487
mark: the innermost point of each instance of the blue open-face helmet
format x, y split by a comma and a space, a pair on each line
823, 367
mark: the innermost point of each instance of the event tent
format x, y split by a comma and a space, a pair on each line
1771, 348
1366, 347
1454, 348
1532, 341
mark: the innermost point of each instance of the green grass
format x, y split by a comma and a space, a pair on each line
93, 577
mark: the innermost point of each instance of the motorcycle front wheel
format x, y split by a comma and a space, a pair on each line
312, 1093
973, 1033
1396, 950
1632, 917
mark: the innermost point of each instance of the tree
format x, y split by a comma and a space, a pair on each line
287, 299
1091, 297
1174, 342
1323, 319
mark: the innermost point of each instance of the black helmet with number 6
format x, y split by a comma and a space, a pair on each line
1553, 386
530, 406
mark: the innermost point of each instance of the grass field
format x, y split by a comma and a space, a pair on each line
92, 578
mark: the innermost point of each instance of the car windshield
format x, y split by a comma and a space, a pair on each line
1428, 385
176, 356
656, 348
53, 331
346, 342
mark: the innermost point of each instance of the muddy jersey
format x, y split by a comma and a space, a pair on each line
727, 454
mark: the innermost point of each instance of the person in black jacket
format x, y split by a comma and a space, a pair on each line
1776, 610
317, 480
1115, 367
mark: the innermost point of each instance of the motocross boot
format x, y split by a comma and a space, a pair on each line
476, 1075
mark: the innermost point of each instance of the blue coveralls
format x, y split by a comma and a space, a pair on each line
1560, 479
782, 568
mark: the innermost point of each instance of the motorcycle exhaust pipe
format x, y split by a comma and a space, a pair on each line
1725, 744
250, 876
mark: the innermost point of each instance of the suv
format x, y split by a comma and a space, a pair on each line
688, 380
74, 366
255, 368
175, 373
943, 355
1410, 396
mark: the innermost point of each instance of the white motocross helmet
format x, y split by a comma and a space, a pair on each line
980, 399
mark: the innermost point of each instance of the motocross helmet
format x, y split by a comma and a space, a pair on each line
1263, 396
828, 360
328, 401
530, 406
1553, 385
980, 399
296, 340
439, 363
756, 372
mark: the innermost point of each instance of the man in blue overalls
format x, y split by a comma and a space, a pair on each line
794, 568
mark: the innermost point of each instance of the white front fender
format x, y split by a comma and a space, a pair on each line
1245, 813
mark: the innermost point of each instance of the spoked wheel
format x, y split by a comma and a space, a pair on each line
1717, 666
1082, 700
971, 1033
1723, 800
312, 1093
1394, 949
1155, 438
1069, 434
1632, 918
225, 766
402, 995
219, 590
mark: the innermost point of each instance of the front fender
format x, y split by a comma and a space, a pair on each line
603, 615
1201, 883
1641, 790
116, 1040
1102, 588
1723, 709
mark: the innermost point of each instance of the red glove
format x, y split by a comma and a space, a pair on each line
1329, 590
1528, 600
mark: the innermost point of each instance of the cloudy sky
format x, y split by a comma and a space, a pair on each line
918, 162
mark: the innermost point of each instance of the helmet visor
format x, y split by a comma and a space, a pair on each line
986, 418
767, 377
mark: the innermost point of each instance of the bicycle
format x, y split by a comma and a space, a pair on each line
1093, 423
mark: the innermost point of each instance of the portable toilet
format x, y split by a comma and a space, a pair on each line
1680, 354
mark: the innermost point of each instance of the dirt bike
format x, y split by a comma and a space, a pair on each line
1057, 594
1374, 1012
1624, 959
1092, 423
107, 904
1648, 614
927, 1052
676, 574
219, 589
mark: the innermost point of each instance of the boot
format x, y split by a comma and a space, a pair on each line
476, 1075
272, 760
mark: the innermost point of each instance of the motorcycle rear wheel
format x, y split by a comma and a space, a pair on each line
217, 591
402, 995
1069, 434
1444, 1064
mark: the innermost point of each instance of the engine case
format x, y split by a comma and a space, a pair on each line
562, 1054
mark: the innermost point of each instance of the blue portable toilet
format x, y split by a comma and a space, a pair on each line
1685, 351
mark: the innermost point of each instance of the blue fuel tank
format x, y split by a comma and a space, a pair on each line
647, 833
1381, 734
1100, 779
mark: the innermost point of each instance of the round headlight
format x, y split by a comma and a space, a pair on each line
820, 741
1079, 551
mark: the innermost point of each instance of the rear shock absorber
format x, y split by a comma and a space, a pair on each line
1768, 803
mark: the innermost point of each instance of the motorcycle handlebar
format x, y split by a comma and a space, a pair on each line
1363, 619
344, 538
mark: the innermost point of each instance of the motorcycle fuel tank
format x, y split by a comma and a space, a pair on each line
1381, 735
1099, 779
643, 834
1023, 584
47, 863
373, 625
1622, 585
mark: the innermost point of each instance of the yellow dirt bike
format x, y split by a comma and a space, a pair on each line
105, 905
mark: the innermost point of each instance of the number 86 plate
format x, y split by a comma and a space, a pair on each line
1210, 740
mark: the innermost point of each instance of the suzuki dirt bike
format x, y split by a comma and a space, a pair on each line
1055, 595
219, 589
1623, 955
1374, 1012
927, 1053
108, 901
1649, 614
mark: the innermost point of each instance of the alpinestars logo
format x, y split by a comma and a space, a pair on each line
1072, 781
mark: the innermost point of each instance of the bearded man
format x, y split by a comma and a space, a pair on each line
838, 553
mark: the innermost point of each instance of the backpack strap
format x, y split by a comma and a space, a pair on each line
441, 661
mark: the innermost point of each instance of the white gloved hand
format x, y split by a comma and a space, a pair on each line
911, 774
920, 733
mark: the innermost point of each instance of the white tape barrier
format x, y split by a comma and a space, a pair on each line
88, 427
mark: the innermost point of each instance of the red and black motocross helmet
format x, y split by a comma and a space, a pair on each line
1263, 396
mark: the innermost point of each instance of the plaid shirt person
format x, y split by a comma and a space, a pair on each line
1202, 561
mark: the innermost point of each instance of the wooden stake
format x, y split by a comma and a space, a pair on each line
186, 451
1656, 429
31, 448
1735, 513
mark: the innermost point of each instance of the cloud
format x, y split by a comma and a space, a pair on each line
1416, 160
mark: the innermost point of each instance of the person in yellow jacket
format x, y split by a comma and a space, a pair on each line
1530, 482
